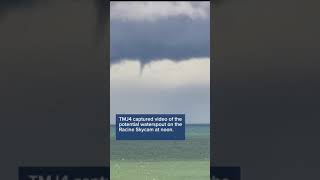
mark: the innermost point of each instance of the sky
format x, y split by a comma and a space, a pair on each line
160, 58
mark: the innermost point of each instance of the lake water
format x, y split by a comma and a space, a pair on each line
162, 160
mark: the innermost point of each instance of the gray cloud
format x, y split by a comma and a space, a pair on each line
174, 38
152, 11
158, 43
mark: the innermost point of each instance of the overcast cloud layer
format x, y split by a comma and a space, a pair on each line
160, 61
152, 11
158, 30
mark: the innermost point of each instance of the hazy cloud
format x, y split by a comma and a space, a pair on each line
162, 86
152, 11
164, 73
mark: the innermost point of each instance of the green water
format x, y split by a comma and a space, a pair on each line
162, 160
